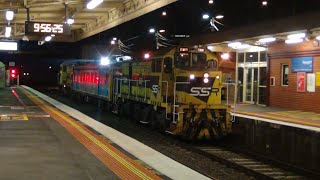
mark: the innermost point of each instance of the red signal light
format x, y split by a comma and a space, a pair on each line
13, 73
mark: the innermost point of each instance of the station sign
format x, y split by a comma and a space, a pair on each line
42, 28
302, 64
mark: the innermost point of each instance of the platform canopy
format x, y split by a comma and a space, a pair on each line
87, 22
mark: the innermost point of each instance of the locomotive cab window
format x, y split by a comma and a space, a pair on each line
212, 65
167, 65
199, 60
182, 60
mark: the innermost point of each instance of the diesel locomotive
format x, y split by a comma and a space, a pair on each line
176, 90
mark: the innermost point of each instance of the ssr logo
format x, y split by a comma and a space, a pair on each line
200, 91
155, 89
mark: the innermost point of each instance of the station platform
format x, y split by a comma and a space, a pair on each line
281, 116
44, 139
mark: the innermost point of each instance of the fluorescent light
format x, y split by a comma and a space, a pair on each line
8, 31
293, 41
9, 15
11, 46
48, 38
234, 44
267, 40
297, 36
243, 46
264, 3
152, 30
210, 1
93, 3
162, 30
205, 16
104, 61
70, 21
318, 38
219, 16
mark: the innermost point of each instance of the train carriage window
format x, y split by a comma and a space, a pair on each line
167, 65
156, 65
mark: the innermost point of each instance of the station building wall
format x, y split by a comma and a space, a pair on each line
287, 96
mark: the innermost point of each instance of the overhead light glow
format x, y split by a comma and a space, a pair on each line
296, 36
205, 16
8, 32
210, 1
220, 16
164, 13
104, 61
93, 3
225, 56
9, 15
318, 38
234, 44
267, 40
162, 31
146, 55
48, 38
70, 21
293, 41
243, 46
264, 3
113, 42
152, 30
114, 38
210, 48
9, 46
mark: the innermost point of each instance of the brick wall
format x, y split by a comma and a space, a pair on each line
287, 96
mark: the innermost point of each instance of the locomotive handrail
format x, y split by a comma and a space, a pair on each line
234, 99
167, 85
174, 100
133, 80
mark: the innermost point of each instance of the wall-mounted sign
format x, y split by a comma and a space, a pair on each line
317, 78
311, 82
301, 81
302, 64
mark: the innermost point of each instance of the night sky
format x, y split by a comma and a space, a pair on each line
183, 17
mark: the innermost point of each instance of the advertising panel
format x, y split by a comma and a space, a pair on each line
301, 82
302, 64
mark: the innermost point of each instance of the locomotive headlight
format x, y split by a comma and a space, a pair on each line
191, 76
205, 75
217, 77
205, 80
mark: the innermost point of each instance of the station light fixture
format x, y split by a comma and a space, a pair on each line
152, 30
9, 15
205, 16
70, 21
113, 42
210, 48
210, 1
297, 36
225, 56
318, 38
8, 31
8, 46
146, 55
220, 16
234, 44
114, 39
162, 30
104, 61
47, 38
293, 41
264, 3
93, 3
267, 40
164, 13
243, 46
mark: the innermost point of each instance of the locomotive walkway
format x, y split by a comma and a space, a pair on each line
39, 141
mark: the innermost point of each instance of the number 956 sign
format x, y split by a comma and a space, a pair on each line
46, 28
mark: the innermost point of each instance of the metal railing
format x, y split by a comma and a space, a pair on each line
234, 85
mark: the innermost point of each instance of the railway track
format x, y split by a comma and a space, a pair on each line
256, 168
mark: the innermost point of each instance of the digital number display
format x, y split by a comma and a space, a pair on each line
47, 28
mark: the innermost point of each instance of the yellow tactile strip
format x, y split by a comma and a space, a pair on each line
119, 163
298, 114
283, 118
